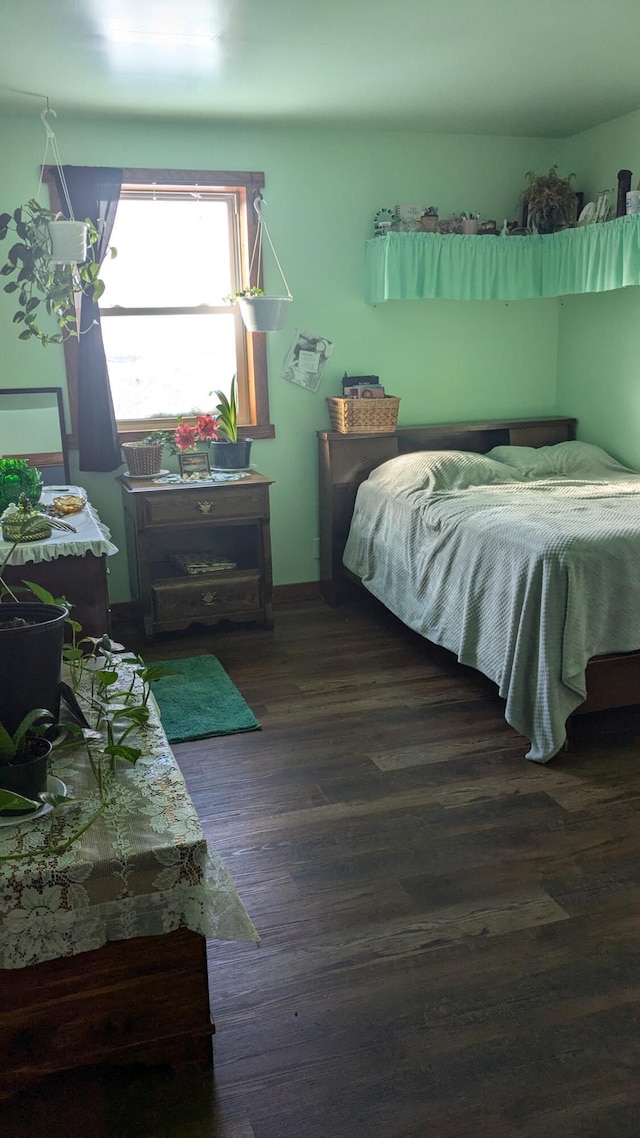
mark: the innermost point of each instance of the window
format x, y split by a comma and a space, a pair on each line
183, 241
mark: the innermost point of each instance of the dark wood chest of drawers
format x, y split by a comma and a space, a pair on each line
172, 527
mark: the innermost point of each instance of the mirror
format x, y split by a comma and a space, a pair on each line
32, 426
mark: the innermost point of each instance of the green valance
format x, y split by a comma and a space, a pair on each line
589, 258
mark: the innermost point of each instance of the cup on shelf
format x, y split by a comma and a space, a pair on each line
633, 201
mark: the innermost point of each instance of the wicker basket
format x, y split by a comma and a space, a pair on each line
363, 416
143, 458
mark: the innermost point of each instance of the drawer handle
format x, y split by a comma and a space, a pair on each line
209, 598
205, 507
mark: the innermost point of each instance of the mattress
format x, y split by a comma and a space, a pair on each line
524, 574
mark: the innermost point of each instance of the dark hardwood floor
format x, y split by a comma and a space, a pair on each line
450, 934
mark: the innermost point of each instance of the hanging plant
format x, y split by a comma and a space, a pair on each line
261, 313
39, 283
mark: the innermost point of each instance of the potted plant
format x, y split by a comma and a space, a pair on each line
144, 456
39, 279
24, 762
260, 313
231, 452
31, 631
550, 201
429, 219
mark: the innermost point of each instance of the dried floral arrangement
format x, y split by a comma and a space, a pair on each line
551, 201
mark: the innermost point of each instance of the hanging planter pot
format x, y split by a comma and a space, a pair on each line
261, 313
68, 242
264, 313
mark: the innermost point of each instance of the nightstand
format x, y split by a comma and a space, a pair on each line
171, 527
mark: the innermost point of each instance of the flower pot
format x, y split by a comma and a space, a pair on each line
264, 313
28, 779
231, 456
429, 223
30, 659
469, 225
144, 460
68, 242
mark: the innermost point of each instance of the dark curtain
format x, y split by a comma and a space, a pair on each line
94, 193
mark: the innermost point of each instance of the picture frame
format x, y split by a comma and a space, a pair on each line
194, 463
602, 206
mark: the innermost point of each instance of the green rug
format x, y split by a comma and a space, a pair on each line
199, 700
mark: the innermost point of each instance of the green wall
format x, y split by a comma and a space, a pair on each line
446, 360
599, 337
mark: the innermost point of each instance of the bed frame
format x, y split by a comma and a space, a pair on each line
346, 460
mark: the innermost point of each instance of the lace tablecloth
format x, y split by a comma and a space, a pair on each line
142, 869
90, 536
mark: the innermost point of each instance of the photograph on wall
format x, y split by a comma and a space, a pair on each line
306, 360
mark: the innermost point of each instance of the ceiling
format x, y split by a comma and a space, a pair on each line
523, 67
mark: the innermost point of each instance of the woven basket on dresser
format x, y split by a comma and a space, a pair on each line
363, 416
143, 459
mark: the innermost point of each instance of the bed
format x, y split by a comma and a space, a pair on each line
510, 544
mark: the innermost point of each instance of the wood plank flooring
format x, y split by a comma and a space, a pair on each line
450, 934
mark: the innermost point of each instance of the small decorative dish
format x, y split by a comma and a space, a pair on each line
588, 214
69, 504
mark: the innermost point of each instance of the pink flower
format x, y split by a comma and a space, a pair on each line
185, 436
207, 427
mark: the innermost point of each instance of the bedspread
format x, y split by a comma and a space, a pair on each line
524, 582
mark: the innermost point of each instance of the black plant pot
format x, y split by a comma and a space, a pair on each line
27, 779
30, 660
231, 456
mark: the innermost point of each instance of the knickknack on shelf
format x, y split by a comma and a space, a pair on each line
587, 258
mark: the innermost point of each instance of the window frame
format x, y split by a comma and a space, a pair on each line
246, 186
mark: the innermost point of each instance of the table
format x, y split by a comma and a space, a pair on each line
69, 564
102, 948
169, 523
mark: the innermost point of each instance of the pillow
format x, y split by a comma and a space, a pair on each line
436, 470
575, 459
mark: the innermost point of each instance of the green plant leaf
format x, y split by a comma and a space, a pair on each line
105, 679
7, 745
42, 594
9, 800
131, 754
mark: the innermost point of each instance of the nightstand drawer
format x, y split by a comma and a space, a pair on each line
203, 505
201, 598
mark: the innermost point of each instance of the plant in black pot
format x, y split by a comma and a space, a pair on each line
230, 452
24, 763
31, 631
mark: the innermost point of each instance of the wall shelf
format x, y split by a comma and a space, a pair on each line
589, 258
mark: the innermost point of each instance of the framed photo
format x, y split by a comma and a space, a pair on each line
195, 463
602, 206
306, 359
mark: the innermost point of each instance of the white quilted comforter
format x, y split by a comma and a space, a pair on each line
523, 579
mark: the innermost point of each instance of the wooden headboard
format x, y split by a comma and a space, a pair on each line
346, 460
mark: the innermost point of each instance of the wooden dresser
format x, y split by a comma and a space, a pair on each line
170, 524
